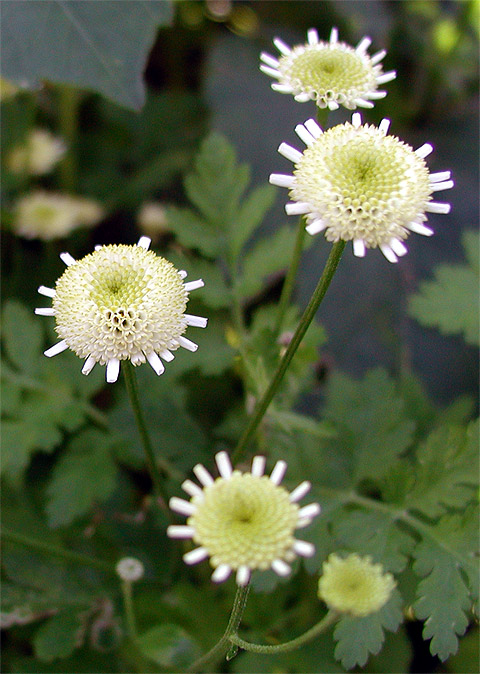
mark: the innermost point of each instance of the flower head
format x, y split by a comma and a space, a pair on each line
129, 569
152, 219
330, 73
47, 216
243, 521
38, 155
121, 303
355, 182
354, 585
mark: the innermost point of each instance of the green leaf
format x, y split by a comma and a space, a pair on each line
446, 472
193, 231
371, 422
101, 46
450, 301
216, 185
21, 438
84, 475
58, 636
22, 336
359, 637
250, 215
376, 534
268, 256
169, 646
447, 562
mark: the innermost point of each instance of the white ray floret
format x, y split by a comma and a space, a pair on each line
243, 521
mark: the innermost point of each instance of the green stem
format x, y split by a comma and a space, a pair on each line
126, 586
157, 475
308, 315
222, 646
309, 635
289, 282
69, 101
46, 548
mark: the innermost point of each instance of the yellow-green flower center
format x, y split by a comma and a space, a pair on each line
362, 184
120, 302
329, 73
245, 520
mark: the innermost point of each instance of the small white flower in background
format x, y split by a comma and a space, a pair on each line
356, 183
121, 303
243, 521
47, 215
38, 155
355, 585
152, 219
330, 73
130, 569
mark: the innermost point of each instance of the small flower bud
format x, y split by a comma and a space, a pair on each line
130, 569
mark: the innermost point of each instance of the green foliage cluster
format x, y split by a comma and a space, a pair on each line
395, 474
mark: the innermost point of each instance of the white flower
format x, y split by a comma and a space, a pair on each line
130, 569
243, 521
355, 585
330, 73
38, 155
356, 183
121, 303
47, 215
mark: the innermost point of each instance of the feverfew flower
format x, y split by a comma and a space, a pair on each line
243, 521
330, 73
47, 215
129, 569
38, 155
355, 182
354, 585
121, 303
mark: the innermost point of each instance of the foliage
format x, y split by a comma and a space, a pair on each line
394, 470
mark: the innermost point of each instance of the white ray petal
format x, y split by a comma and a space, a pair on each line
386, 77
303, 97
203, 475
280, 567
446, 185
258, 466
299, 492
187, 344
269, 71
363, 103
282, 88
193, 285
388, 252
356, 120
195, 556
223, 464
192, 489
398, 247
56, 348
309, 511
281, 46
363, 45
45, 311
437, 207
88, 365
221, 573
359, 248
269, 60
290, 152
333, 105
316, 226
312, 36
243, 576
313, 127
179, 505
424, 150
420, 229
281, 180
182, 273
434, 178
113, 370
180, 531
67, 259
144, 242
376, 95
334, 36
278, 472
155, 362
305, 135
297, 208
166, 355
303, 548
196, 321
379, 56
47, 292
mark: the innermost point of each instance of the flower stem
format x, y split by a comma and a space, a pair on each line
288, 284
310, 634
126, 586
55, 551
223, 645
308, 315
156, 474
